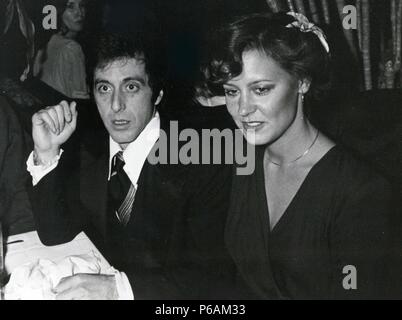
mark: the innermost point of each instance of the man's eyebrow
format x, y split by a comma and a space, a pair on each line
139, 79
97, 81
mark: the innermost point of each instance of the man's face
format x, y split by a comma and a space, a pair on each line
124, 98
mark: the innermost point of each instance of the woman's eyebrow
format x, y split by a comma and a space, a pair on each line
229, 84
261, 80
252, 82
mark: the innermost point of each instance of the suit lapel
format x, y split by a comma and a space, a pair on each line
156, 209
153, 219
94, 176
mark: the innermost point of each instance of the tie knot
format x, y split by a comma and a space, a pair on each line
119, 155
118, 161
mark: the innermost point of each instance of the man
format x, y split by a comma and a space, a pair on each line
160, 224
15, 208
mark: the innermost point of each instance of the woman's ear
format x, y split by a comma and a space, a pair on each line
159, 98
304, 86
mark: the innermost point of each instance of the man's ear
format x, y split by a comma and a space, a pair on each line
159, 98
304, 86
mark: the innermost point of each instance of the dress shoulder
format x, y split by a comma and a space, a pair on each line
355, 173
64, 43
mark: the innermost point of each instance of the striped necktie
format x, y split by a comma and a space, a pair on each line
121, 190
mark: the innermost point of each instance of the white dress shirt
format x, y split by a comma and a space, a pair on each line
137, 151
134, 157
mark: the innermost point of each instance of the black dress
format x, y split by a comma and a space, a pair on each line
339, 217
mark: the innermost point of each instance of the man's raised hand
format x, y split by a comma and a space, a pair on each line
51, 127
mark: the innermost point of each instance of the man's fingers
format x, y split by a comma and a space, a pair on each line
74, 114
37, 119
60, 117
69, 294
87, 286
43, 117
69, 288
57, 116
53, 114
73, 108
67, 110
65, 284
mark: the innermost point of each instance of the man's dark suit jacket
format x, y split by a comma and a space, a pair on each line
15, 208
172, 247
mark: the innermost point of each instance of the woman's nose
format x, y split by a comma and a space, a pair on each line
245, 106
80, 11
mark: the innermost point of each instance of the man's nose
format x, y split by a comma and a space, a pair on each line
246, 106
117, 102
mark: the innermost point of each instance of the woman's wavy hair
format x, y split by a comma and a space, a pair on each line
301, 54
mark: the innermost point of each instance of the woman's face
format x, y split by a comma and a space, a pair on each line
262, 99
73, 16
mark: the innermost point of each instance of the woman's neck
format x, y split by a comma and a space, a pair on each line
69, 35
296, 140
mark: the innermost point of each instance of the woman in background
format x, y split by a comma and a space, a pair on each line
61, 64
311, 222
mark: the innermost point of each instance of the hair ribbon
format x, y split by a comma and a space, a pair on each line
304, 25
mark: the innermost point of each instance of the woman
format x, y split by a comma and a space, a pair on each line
311, 222
61, 64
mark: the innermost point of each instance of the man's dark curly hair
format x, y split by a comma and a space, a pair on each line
299, 53
112, 46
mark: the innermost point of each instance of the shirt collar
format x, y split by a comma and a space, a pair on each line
137, 151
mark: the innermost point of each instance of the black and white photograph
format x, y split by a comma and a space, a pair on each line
200, 153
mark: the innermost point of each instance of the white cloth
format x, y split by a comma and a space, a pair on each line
37, 280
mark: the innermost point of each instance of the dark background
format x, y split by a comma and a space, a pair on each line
182, 25
368, 122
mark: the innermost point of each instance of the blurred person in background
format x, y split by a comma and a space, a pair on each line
61, 62
17, 33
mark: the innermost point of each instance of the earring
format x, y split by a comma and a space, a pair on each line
301, 98
302, 104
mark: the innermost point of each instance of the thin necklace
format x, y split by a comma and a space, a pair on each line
299, 157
